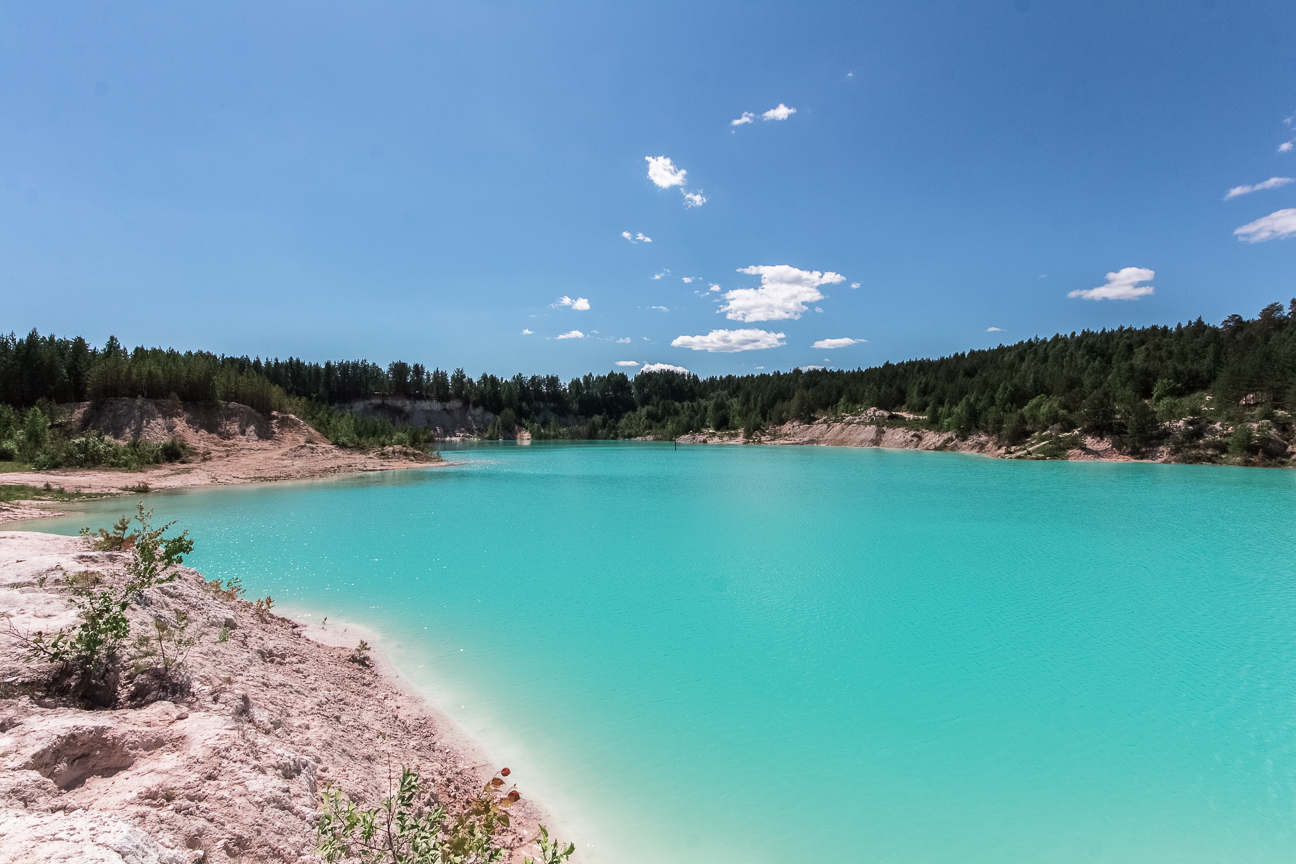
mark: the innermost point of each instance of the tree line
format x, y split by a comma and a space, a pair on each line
1127, 381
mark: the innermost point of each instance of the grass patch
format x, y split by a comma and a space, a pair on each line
10, 493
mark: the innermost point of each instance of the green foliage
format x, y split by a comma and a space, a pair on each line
407, 827
262, 608
1241, 440
360, 655
89, 651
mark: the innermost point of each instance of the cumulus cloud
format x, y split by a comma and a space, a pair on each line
637, 237
1276, 226
663, 367
730, 341
994, 329
1285, 146
782, 112
627, 362
526, 332
810, 368
571, 334
1121, 285
838, 343
661, 274
746, 118
784, 293
714, 287
687, 279
855, 284
1271, 183
659, 308
625, 341
662, 171
694, 199
580, 304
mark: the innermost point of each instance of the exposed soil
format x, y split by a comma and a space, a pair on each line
229, 443
230, 772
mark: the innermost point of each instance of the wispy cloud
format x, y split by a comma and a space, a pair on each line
1121, 285
843, 342
746, 117
661, 274
580, 304
625, 341
784, 293
627, 362
636, 237
663, 367
810, 368
571, 334
1271, 183
662, 171
694, 199
687, 279
1278, 225
994, 329
1285, 146
855, 284
730, 341
526, 332
782, 112
659, 308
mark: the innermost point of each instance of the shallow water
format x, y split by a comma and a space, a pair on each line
760, 654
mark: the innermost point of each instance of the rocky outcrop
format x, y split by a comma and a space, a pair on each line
865, 430
448, 420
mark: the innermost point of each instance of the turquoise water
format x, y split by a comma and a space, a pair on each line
724, 654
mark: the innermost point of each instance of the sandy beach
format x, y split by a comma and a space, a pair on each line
231, 772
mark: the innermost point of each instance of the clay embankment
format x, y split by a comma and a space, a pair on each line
230, 773
227, 443
452, 420
871, 429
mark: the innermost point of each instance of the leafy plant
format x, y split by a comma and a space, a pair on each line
114, 541
160, 658
361, 654
88, 653
262, 608
407, 827
233, 589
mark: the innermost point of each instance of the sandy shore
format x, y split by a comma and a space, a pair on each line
227, 445
231, 772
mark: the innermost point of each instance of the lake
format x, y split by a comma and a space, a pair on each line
767, 654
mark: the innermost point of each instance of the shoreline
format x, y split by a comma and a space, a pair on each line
233, 770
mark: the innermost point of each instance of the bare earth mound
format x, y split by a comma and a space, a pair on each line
231, 772
228, 443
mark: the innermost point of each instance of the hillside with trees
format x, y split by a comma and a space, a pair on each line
1206, 392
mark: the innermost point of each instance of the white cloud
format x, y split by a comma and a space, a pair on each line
663, 367
580, 304
571, 334
526, 332
1276, 226
1271, 183
784, 293
663, 172
1121, 285
850, 74
637, 237
838, 343
810, 368
730, 341
625, 341
714, 287
819, 309
661, 274
760, 367
659, 309
694, 199
1285, 146
782, 112
855, 284
687, 279
994, 329
627, 362
746, 118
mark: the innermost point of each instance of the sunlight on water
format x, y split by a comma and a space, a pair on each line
781, 654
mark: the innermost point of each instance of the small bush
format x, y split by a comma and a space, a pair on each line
360, 655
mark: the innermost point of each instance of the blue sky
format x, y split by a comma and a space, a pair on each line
428, 181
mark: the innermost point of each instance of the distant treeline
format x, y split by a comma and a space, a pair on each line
1127, 381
